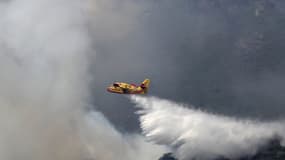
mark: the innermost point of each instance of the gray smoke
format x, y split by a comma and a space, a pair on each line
213, 54
44, 59
195, 134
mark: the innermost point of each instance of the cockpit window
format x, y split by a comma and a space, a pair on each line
115, 85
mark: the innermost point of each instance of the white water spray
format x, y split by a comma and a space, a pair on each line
196, 134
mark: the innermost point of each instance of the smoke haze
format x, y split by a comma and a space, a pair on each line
212, 54
194, 134
44, 84
217, 55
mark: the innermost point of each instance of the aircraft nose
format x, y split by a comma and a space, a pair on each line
109, 89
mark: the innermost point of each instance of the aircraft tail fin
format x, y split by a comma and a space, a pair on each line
145, 85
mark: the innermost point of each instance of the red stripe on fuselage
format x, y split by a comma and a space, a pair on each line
132, 92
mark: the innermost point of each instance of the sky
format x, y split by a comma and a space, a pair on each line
224, 56
208, 61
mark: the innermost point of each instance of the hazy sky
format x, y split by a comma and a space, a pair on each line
45, 87
57, 57
222, 56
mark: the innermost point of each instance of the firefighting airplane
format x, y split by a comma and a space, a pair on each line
125, 88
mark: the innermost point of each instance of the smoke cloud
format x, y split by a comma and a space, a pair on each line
221, 52
198, 134
44, 95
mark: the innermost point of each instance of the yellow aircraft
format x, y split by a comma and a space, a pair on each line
125, 88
